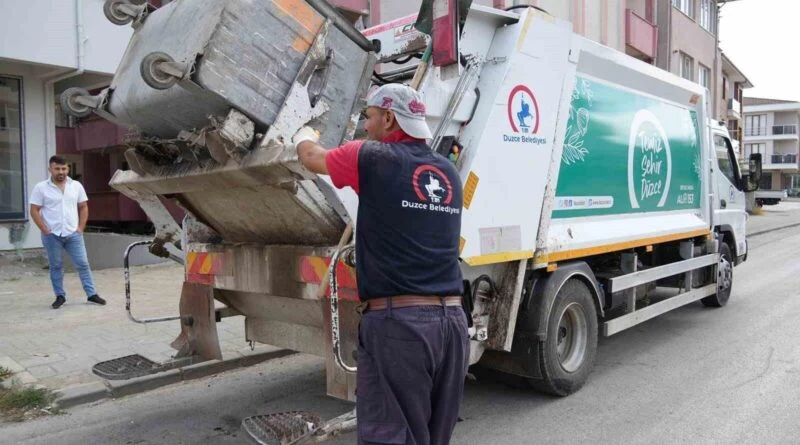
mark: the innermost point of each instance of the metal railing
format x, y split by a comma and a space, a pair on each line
784, 129
775, 130
784, 159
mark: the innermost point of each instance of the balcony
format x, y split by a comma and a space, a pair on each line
784, 159
640, 34
99, 133
90, 135
65, 140
734, 109
113, 206
773, 132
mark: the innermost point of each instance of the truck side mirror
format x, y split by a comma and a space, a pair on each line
755, 170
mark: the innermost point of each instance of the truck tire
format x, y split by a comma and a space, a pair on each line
567, 356
724, 277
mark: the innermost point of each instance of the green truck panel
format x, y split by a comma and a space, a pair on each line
626, 152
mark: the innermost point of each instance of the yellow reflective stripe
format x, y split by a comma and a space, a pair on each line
493, 258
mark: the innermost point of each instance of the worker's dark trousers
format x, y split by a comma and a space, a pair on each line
411, 368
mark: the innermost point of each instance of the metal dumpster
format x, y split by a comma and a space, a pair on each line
191, 62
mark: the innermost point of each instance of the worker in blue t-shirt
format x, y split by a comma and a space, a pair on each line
413, 343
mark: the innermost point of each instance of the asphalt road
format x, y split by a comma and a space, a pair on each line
695, 375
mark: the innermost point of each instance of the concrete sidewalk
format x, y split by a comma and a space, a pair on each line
57, 348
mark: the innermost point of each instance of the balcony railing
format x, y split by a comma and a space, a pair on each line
734, 109
784, 159
65, 140
641, 34
775, 130
784, 129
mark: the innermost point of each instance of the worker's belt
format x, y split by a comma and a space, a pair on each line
401, 301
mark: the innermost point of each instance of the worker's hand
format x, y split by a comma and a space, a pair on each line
305, 134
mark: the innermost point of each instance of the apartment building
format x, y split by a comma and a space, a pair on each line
771, 128
45, 47
680, 36
731, 105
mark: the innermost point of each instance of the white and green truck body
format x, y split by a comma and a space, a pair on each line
598, 193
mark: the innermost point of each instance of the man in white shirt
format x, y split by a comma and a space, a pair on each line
60, 209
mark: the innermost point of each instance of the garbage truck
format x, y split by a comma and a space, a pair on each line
598, 192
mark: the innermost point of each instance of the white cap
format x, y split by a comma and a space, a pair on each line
407, 106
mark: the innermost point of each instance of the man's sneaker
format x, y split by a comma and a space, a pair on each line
60, 300
96, 300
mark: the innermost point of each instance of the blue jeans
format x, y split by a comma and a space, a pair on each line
76, 250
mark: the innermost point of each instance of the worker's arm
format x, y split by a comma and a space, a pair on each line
309, 152
341, 163
36, 215
312, 156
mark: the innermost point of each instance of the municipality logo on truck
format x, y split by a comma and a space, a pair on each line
649, 162
523, 117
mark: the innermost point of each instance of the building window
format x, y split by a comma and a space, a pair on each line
755, 125
706, 15
686, 67
704, 76
12, 190
755, 148
686, 6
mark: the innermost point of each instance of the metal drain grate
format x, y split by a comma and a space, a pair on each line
128, 367
281, 428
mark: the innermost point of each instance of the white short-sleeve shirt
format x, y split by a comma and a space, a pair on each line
59, 209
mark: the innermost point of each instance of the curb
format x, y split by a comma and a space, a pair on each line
93, 392
762, 232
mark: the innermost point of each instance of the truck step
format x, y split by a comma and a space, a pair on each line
281, 428
133, 366
124, 368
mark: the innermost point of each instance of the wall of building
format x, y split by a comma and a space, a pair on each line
35, 154
105, 41
44, 32
600, 20
786, 118
692, 39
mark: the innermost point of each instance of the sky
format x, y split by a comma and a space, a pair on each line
762, 38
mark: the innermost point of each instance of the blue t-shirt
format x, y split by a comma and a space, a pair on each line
409, 218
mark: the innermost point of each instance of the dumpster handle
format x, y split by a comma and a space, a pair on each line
334, 284
127, 272
340, 22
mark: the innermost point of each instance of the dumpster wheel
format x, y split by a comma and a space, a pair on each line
71, 106
113, 13
153, 73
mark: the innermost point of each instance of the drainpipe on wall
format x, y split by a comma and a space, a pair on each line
49, 84
717, 70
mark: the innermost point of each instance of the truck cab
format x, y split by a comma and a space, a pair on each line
730, 185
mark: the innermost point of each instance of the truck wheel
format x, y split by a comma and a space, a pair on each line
114, 15
68, 104
567, 356
724, 279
